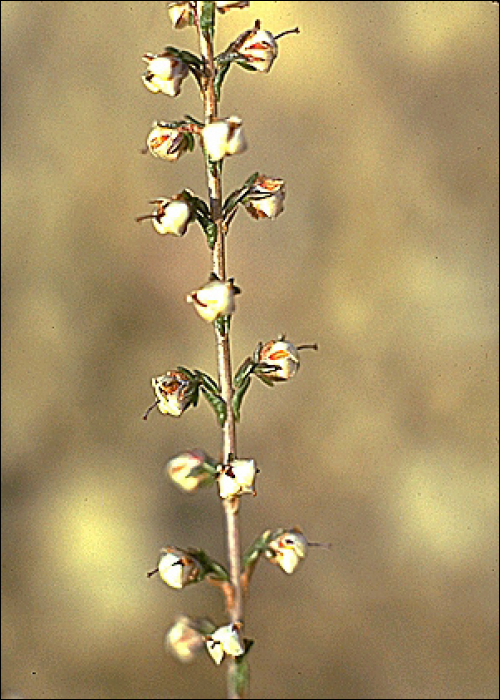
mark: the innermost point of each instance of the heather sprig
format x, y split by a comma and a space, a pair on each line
272, 362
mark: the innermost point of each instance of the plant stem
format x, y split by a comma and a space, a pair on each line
214, 183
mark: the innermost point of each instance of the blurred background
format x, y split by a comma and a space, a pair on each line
382, 117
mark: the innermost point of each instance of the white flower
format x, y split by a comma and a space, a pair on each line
287, 550
266, 198
170, 215
226, 6
164, 73
172, 392
186, 470
258, 48
167, 142
181, 14
224, 137
183, 639
214, 300
225, 640
176, 568
237, 478
281, 357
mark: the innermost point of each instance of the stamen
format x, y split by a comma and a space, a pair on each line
145, 416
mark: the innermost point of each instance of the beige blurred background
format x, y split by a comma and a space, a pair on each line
382, 117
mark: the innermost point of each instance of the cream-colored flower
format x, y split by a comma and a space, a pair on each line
176, 568
170, 216
167, 142
214, 300
226, 6
225, 641
183, 639
287, 550
282, 359
258, 48
172, 392
266, 198
237, 478
186, 470
224, 137
181, 14
164, 73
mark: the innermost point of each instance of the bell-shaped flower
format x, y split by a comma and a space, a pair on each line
224, 7
266, 197
171, 215
258, 48
185, 638
225, 641
164, 73
181, 14
224, 137
168, 142
177, 568
237, 478
173, 392
190, 470
215, 299
287, 550
278, 360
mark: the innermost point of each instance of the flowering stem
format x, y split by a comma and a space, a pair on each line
214, 182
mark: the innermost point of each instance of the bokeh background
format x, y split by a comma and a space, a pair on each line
382, 117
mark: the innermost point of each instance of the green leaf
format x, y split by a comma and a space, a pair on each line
217, 403
259, 546
207, 20
244, 370
219, 79
189, 58
238, 397
223, 325
209, 383
209, 565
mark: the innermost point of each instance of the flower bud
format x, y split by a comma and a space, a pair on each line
170, 215
224, 137
258, 48
278, 360
172, 392
225, 641
185, 638
190, 470
237, 478
181, 14
167, 142
266, 197
164, 73
215, 299
287, 549
224, 7
176, 568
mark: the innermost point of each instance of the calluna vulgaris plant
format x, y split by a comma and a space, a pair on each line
274, 361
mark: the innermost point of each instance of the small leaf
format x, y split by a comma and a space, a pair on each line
189, 374
258, 547
244, 370
208, 382
217, 403
238, 397
186, 56
207, 19
219, 79
223, 325
209, 565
